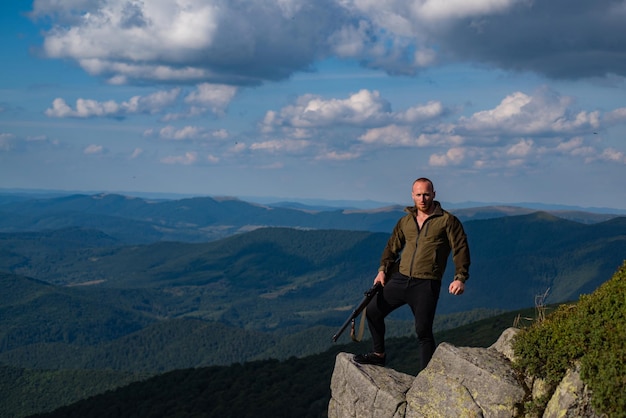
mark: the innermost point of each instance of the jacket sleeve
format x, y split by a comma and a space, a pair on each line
460, 249
392, 250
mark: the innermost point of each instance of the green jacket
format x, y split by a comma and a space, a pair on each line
423, 253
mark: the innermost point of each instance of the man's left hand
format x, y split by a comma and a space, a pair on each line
457, 287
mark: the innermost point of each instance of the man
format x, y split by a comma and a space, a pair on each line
411, 270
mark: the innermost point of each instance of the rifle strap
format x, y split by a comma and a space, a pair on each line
359, 337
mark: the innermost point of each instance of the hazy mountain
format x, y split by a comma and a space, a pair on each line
281, 283
148, 285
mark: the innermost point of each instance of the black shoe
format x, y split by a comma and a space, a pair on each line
370, 358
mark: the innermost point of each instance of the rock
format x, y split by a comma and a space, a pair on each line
504, 345
366, 391
458, 382
571, 399
465, 382
539, 388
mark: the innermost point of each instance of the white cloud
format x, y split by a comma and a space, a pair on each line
616, 116
429, 10
187, 133
136, 153
253, 41
391, 134
215, 97
521, 149
6, 141
613, 155
188, 158
338, 156
10, 142
360, 110
284, 145
570, 145
453, 156
310, 111
149, 28
205, 98
86, 108
190, 40
544, 113
521, 131
220, 134
420, 113
94, 149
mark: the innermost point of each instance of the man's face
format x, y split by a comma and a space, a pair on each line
423, 196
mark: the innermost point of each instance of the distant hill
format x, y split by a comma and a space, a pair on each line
271, 292
139, 286
138, 220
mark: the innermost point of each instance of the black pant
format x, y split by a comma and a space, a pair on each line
421, 295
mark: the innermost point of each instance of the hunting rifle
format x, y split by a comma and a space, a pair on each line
369, 295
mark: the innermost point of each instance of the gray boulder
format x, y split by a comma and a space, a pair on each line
360, 391
458, 382
571, 399
465, 382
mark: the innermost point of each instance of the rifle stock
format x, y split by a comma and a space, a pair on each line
369, 295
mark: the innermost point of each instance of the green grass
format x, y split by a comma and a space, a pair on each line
591, 332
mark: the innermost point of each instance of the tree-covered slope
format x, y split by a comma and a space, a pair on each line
292, 387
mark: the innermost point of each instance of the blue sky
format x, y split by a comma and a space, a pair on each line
494, 100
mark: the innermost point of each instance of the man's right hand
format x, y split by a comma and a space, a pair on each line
380, 278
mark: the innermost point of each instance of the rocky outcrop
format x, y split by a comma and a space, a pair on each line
465, 382
571, 399
458, 382
367, 391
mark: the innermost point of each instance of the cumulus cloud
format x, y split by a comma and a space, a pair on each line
187, 133
6, 141
215, 97
544, 112
188, 158
613, 155
616, 116
10, 142
207, 97
453, 156
86, 108
94, 149
517, 133
281, 145
249, 42
136, 153
312, 111
390, 135
236, 42
338, 156
362, 109
560, 38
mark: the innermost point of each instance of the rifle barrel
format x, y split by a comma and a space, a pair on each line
369, 295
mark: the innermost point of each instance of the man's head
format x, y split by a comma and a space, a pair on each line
423, 193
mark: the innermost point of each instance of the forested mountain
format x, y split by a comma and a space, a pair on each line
292, 387
136, 286
136, 220
263, 293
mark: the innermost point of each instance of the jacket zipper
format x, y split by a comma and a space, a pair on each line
419, 231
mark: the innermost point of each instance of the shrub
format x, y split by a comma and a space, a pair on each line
592, 331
